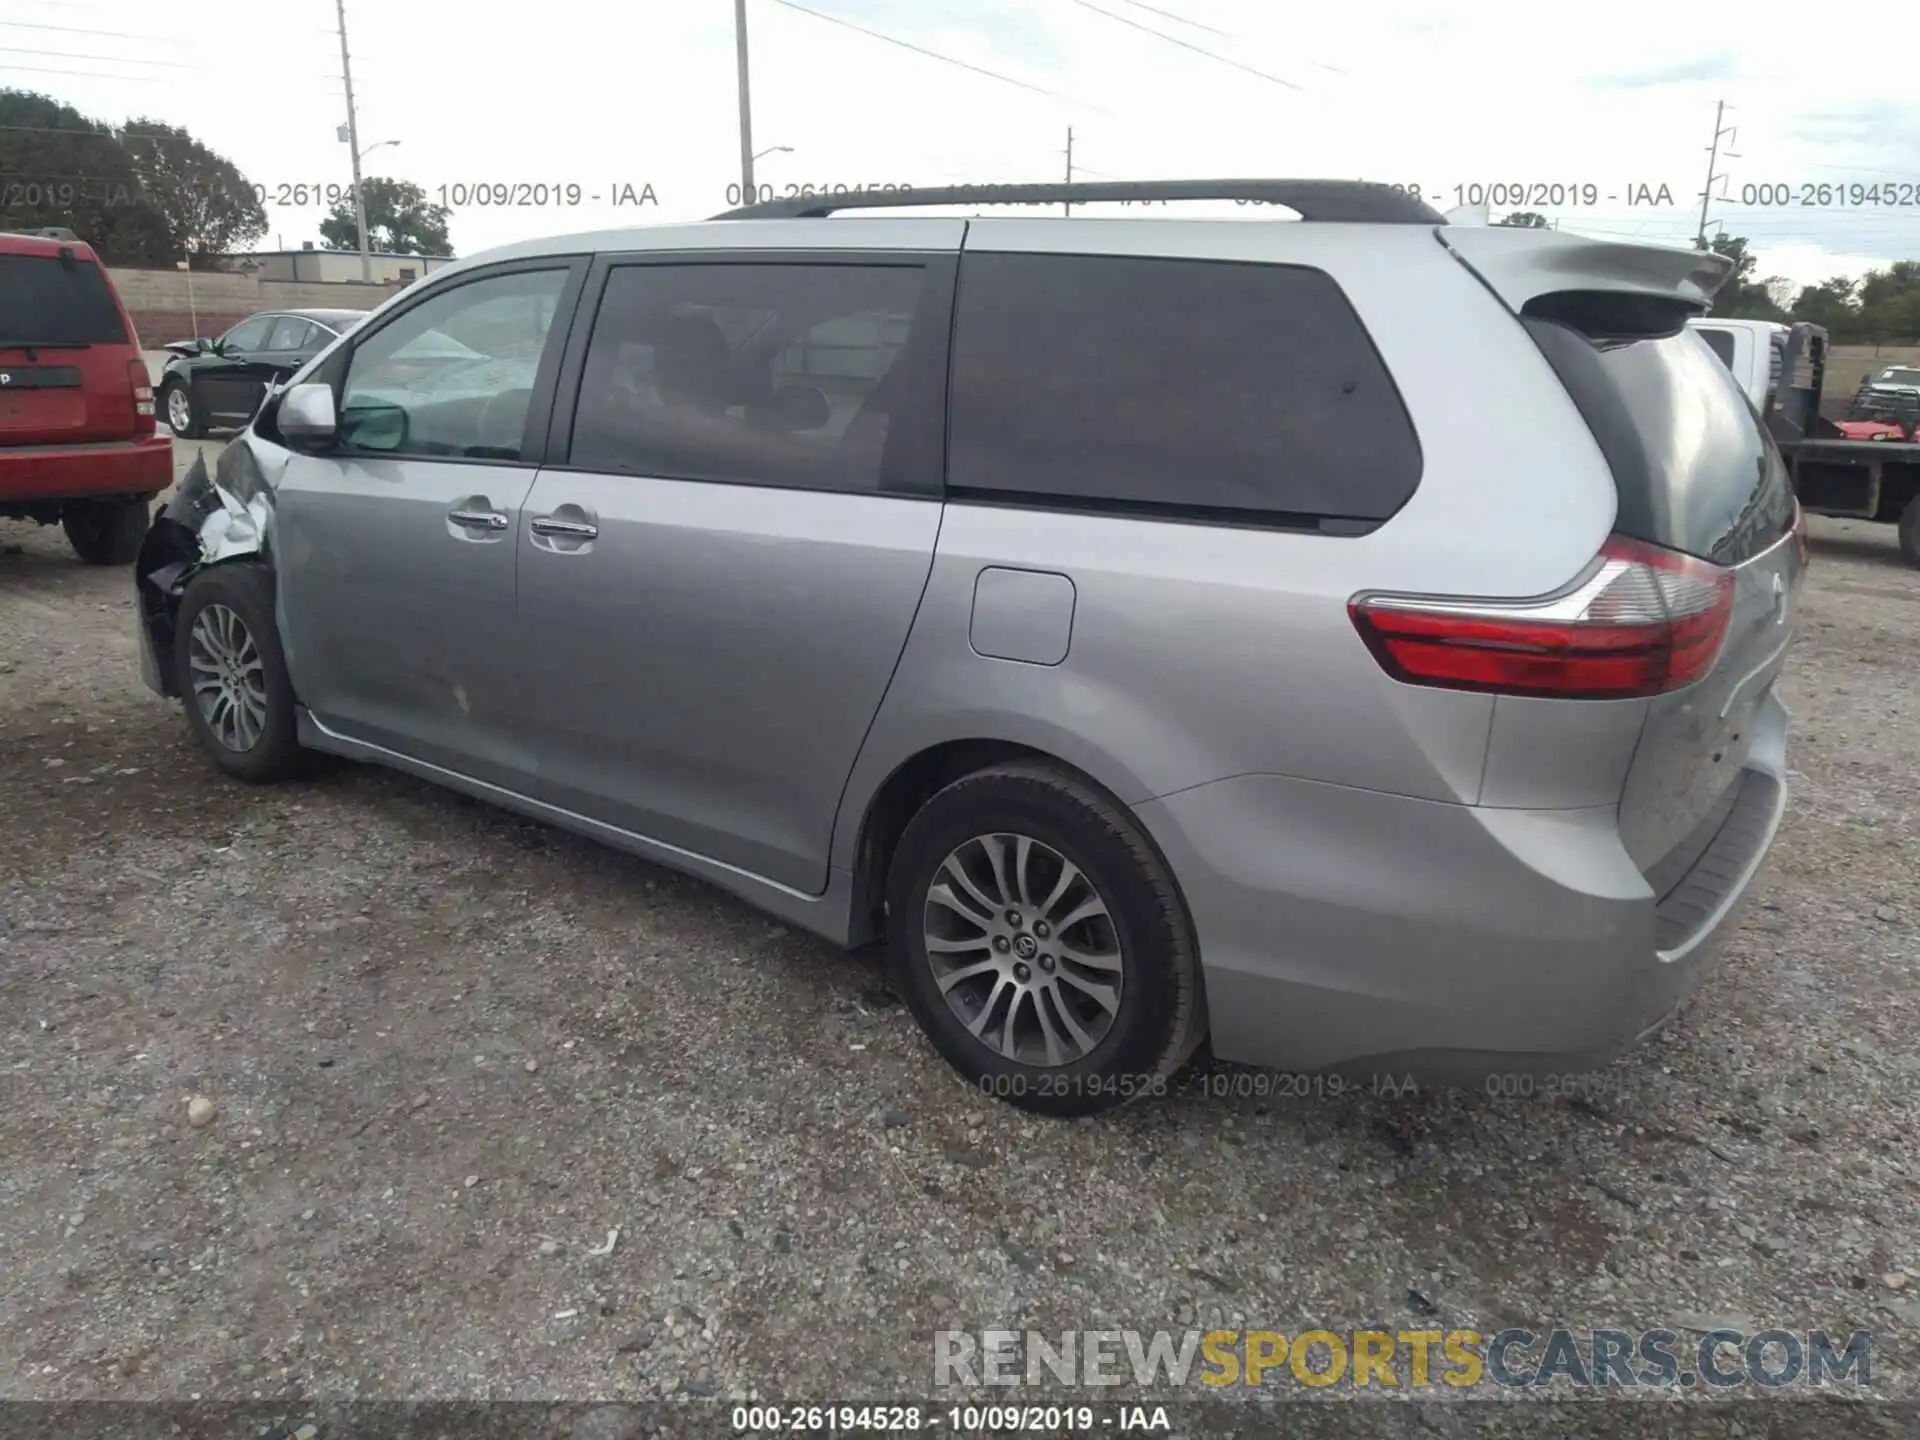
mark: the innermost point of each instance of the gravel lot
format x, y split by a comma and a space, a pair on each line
452, 1052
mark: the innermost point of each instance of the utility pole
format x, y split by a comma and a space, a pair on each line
1066, 206
353, 146
1720, 132
747, 193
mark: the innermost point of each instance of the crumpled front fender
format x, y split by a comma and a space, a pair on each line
212, 518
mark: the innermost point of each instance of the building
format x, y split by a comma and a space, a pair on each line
338, 266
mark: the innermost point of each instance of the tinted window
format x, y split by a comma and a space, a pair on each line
772, 374
1205, 386
1695, 470
1721, 343
45, 302
248, 335
453, 375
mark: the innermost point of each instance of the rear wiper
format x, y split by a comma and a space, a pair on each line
46, 344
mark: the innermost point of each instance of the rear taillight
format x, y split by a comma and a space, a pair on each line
142, 388
1645, 621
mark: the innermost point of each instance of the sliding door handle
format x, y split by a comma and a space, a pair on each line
564, 529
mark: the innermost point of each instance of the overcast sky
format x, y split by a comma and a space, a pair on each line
640, 93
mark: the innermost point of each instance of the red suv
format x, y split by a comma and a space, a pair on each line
77, 442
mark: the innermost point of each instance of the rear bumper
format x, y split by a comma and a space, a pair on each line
1376, 935
77, 472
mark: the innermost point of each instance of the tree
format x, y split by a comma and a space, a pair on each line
209, 207
400, 220
1524, 219
1741, 298
60, 168
1830, 304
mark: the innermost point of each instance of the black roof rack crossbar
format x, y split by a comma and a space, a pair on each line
1324, 200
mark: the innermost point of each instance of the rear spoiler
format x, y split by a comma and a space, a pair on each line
1523, 265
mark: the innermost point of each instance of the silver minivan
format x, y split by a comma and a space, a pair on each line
1351, 638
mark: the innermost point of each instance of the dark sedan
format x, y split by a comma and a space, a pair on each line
218, 384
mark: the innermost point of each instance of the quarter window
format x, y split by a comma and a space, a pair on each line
454, 375
774, 374
289, 333
1204, 387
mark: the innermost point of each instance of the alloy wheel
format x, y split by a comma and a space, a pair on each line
229, 677
1024, 949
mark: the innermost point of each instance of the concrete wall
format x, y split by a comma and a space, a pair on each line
159, 303
338, 265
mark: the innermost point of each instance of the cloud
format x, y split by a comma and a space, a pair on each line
1694, 70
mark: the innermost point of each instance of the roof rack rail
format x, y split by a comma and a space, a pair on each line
1323, 200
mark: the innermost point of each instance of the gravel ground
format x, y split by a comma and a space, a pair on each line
451, 1053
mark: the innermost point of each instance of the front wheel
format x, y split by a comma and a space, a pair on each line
1910, 533
1039, 940
232, 674
107, 532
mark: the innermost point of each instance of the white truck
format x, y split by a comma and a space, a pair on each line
1752, 350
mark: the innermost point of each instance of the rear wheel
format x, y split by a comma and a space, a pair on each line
1039, 941
107, 532
231, 673
182, 409
1910, 532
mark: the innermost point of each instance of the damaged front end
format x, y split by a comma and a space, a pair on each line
212, 519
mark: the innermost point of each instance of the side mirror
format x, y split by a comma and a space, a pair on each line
305, 415
373, 426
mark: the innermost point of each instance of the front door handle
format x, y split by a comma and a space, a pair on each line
564, 529
479, 519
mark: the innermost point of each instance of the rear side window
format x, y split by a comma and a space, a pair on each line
791, 375
43, 302
1695, 469
1721, 343
1236, 391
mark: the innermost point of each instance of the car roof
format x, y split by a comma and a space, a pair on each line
45, 246
326, 317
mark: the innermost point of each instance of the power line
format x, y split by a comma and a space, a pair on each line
90, 74
1169, 15
120, 60
1176, 40
936, 55
79, 30
1214, 30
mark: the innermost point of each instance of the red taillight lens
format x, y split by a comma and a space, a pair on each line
142, 387
1645, 621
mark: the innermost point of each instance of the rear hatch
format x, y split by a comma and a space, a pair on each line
1696, 473
66, 349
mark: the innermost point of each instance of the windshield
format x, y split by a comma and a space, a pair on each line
43, 302
1898, 376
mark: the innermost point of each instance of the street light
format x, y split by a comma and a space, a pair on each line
774, 150
375, 146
